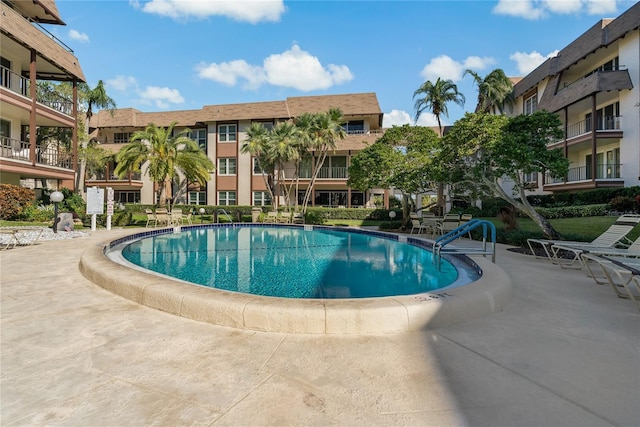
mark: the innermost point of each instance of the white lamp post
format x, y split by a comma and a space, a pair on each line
56, 197
201, 213
392, 215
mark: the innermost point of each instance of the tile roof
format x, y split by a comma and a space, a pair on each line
58, 63
350, 104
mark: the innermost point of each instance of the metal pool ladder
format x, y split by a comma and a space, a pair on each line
440, 245
222, 211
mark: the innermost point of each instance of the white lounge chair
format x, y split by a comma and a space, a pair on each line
622, 276
614, 235
633, 251
418, 227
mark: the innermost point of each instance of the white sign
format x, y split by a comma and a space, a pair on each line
109, 208
95, 201
110, 194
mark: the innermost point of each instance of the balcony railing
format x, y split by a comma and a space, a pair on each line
583, 173
19, 150
585, 126
104, 176
323, 173
21, 85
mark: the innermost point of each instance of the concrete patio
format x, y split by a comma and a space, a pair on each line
564, 352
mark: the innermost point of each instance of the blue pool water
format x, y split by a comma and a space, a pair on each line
294, 262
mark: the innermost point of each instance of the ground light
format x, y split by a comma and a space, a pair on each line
56, 197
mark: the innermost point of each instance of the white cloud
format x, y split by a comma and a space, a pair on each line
252, 11
162, 97
122, 83
537, 9
78, 36
293, 68
519, 8
396, 118
527, 62
399, 118
446, 68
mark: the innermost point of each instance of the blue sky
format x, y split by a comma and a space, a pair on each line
163, 55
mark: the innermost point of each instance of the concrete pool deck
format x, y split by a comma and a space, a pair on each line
562, 352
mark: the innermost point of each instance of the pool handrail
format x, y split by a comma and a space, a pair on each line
460, 231
220, 210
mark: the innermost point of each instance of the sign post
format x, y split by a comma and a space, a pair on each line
109, 206
95, 204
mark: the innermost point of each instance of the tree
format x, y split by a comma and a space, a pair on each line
283, 139
257, 144
400, 159
494, 91
481, 149
165, 155
319, 133
434, 99
93, 98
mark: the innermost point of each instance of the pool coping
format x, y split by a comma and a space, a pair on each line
488, 294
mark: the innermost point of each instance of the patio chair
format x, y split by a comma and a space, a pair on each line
151, 218
271, 217
298, 218
20, 236
633, 251
450, 222
416, 225
175, 217
624, 281
162, 217
613, 236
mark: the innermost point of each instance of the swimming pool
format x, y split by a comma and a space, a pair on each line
103, 265
296, 262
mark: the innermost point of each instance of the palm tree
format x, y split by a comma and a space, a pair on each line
435, 97
282, 149
257, 144
321, 132
94, 98
495, 91
166, 155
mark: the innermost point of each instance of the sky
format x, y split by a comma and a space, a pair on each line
166, 55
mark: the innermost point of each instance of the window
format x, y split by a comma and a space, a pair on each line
261, 198
266, 125
354, 126
531, 177
197, 197
227, 166
199, 136
226, 198
256, 167
5, 74
5, 129
227, 133
531, 104
121, 137
127, 196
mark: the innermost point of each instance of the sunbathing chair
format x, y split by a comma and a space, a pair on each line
632, 251
21, 236
609, 239
151, 218
624, 281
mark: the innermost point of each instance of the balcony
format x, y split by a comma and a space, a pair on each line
110, 176
606, 127
22, 86
323, 173
50, 156
582, 177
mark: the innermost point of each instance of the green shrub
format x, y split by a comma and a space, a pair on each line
13, 200
37, 213
623, 204
573, 211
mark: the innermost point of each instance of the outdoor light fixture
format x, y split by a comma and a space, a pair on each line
201, 213
56, 197
392, 215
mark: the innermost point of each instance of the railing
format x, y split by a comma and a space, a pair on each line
323, 173
21, 85
583, 173
364, 132
223, 212
333, 173
439, 246
104, 176
585, 126
20, 150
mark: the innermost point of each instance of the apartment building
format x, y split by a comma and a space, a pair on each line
593, 84
31, 55
221, 132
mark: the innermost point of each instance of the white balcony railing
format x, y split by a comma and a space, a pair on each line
21, 85
20, 150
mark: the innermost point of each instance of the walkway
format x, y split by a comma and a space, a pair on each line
564, 352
